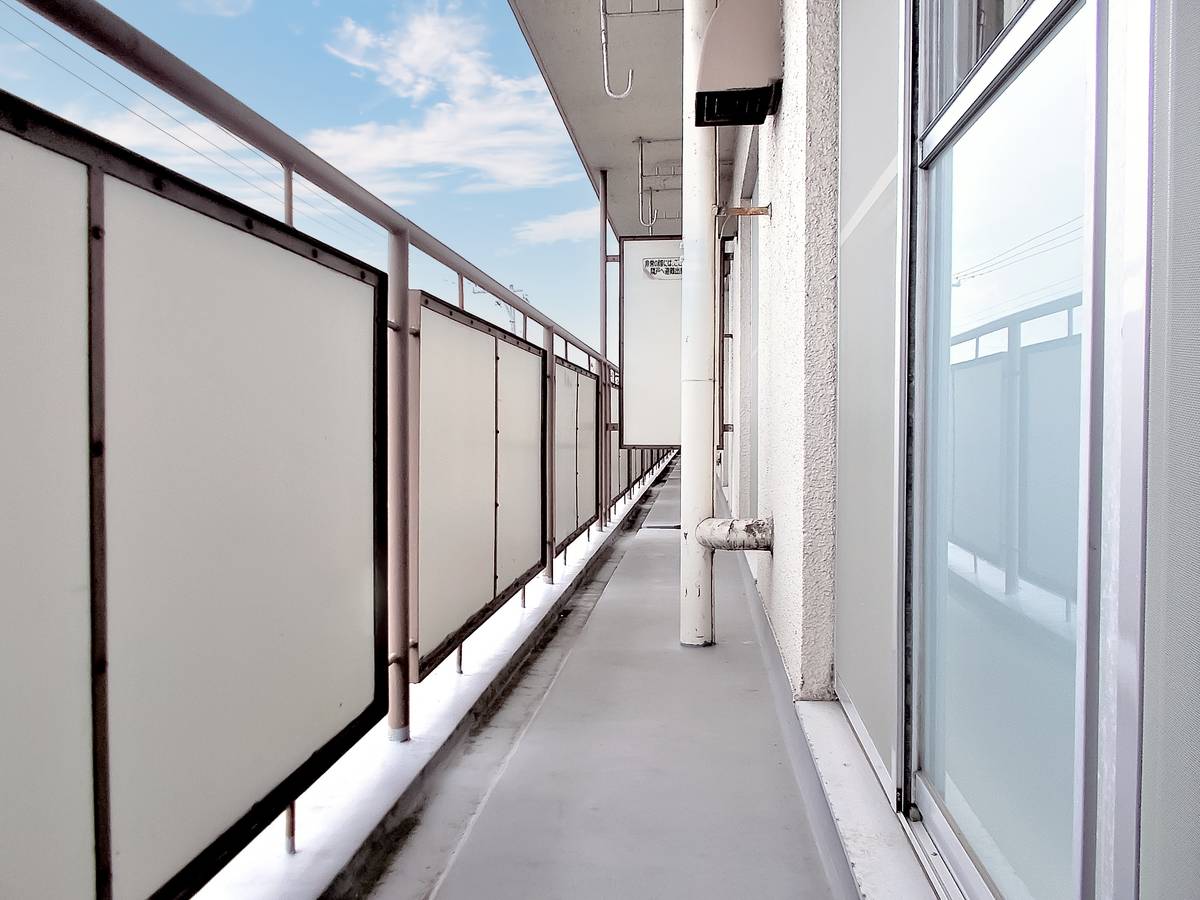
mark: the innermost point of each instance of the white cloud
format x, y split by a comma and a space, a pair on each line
579, 225
500, 132
225, 8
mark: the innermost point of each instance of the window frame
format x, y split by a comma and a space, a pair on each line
935, 128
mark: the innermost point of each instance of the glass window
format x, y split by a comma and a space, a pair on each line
1006, 262
967, 29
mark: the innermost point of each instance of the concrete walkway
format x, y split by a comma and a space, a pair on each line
645, 770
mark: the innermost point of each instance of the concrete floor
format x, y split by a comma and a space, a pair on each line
623, 765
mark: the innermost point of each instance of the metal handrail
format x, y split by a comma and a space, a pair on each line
112, 36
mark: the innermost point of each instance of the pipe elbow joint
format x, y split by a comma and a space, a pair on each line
736, 534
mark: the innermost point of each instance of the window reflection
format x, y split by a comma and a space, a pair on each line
1002, 501
968, 28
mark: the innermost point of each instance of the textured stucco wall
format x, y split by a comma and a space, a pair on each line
797, 346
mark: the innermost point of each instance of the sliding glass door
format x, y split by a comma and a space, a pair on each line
1003, 388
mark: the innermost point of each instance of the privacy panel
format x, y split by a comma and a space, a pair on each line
614, 466
519, 463
651, 329
458, 476
240, 483
587, 450
979, 439
46, 835
614, 447
566, 389
1049, 489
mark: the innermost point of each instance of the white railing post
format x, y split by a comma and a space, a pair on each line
549, 468
288, 195
401, 523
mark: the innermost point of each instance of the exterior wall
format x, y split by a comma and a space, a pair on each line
797, 340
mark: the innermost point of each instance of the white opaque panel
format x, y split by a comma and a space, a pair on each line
650, 343
615, 445
519, 463
458, 476
566, 385
624, 464
614, 466
240, 433
586, 450
1169, 865
866, 574
46, 836
868, 517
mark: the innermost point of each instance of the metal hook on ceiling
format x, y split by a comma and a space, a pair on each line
604, 53
641, 142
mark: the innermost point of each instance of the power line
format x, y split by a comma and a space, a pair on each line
1037, 250
134, 112
1019, 247
269, 177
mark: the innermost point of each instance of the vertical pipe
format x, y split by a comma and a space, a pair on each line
548, 469
698, 339
400, 522
289, 827
602, 457
413, 392
288, 176
525, 335
462, 294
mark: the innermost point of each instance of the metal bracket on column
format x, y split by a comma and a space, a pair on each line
737, 211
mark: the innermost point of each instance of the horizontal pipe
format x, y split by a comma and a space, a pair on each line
112, 36
736, 534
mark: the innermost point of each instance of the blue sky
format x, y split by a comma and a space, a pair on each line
438, 107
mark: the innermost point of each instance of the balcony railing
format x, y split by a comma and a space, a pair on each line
263, 486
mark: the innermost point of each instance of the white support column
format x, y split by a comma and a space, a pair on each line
699, 339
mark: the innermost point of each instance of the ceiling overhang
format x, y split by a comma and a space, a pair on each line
564, 36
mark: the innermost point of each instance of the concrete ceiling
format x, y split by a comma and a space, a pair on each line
564, 36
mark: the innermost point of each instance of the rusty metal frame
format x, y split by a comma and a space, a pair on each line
450, 311
105, 159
